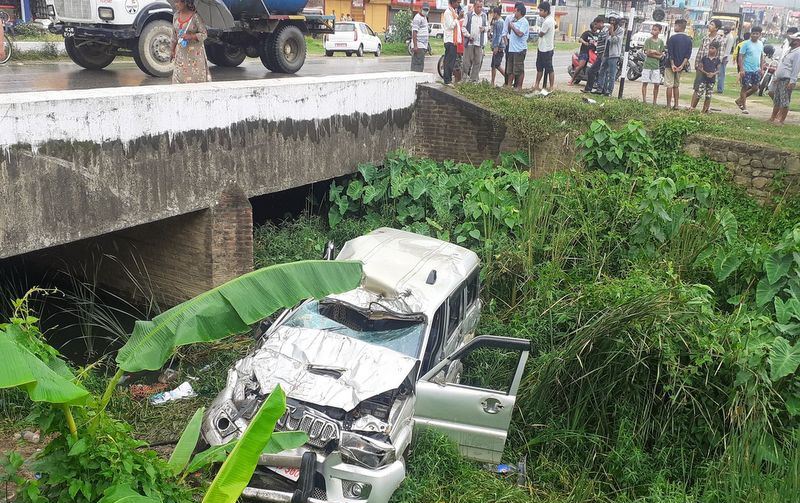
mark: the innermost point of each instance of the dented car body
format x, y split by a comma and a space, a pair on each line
362, 369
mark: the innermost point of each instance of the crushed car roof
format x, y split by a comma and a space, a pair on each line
397, 269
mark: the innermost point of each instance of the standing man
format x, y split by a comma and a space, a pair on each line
419, 39
450, 25
679, 50
651, 72
725, 54
498, 42
714, 35
544, 56
751, 62
601, 35
786, 79
517, 46
475, 38
608, 70
785, 47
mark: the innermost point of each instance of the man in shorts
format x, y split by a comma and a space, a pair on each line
517, 46
751, 62
588, 41
679, 50
498, 44
786, 79
544, 55
715, 35
651, 72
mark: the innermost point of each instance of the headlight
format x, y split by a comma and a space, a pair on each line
105, 13
366, 452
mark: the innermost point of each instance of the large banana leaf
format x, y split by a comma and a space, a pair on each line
231, 308
124, 494
237, 470
22, 368
186, 444
279, 441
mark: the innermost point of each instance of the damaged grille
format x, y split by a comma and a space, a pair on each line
319, 428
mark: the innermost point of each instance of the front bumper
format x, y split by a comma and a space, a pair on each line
93, 31
382, 482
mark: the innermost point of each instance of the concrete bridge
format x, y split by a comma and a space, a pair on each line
160, 176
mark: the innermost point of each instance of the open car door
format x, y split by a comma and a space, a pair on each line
474, 409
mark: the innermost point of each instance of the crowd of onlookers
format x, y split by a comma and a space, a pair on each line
601, 47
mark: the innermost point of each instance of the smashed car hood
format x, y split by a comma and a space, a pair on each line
323, 368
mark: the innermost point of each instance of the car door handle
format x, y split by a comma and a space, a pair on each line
492, 405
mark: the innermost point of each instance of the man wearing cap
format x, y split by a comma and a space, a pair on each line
786, 79
419, 39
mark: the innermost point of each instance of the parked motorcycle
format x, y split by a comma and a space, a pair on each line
410, 46
772, 64
574, 64
636, 60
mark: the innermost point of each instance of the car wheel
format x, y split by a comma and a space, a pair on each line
360, 51
329, 53
378, 52
349, 54
153, 51
89, 55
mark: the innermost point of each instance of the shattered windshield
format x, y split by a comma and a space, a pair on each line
403, 336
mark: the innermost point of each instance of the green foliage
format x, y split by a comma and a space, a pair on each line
183, 450
626, 150
82, 470
238, 468
402, 26
233, 307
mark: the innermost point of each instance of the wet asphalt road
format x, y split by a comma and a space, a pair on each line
29, 77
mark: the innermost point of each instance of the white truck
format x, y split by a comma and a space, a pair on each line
638, 39
97, 31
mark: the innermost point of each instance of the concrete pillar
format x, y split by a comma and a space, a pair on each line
170, 260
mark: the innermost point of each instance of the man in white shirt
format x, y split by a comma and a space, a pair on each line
419, 39
725, 56
544, 56
475, 28
450, 24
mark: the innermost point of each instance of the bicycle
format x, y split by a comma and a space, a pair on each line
9, 47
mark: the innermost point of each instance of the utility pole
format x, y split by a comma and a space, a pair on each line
578, 19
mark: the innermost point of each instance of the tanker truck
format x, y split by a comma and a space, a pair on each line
97, 31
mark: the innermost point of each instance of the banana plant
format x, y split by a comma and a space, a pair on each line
230, 309
238, 468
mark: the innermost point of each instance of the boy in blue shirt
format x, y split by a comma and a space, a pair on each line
517, 46
751, 63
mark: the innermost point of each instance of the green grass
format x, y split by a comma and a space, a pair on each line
568, 113
732, 91
44, 37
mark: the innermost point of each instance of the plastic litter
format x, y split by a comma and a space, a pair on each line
181, 392
507, 470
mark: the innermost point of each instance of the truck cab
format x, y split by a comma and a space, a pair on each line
97, 31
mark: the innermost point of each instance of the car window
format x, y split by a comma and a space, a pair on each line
344, 27
472, 288
403, 336
435, 341
489, 368
454, 314
369, 30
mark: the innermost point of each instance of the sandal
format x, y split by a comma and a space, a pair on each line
741, 106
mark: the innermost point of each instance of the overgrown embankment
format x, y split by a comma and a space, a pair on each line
662, 302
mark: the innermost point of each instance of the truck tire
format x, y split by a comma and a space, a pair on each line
152, 51
289, 49
266, 51
225, 55
89, 55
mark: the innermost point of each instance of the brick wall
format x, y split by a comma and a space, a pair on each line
449, 126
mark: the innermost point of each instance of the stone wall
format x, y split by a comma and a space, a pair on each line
450, 126
765, 172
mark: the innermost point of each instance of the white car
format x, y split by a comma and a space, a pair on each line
363, 370
352, 38
639, 38
436, 30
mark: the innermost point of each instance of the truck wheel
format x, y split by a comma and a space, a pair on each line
289, 48
225, 55
89, 55
154, 48
266, 51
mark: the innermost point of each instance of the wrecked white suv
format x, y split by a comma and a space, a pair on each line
361, 370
